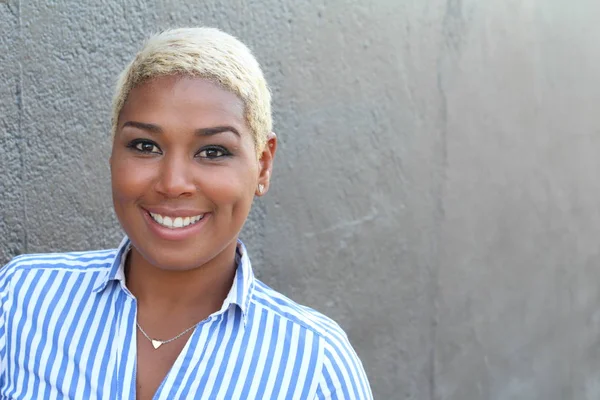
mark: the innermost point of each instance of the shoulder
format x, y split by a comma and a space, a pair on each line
342, 373
49, 271
284, 307
72, 261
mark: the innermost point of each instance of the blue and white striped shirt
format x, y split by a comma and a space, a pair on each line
68, 331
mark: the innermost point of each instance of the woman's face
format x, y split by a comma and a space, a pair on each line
185, 171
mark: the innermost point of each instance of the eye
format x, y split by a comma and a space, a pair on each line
145, 146
213, 152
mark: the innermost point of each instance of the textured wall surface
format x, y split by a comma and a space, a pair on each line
434, 191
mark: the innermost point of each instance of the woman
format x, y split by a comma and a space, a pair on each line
175, 311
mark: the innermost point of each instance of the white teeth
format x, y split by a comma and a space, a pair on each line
177, 222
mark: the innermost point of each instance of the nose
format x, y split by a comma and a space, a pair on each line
175, 177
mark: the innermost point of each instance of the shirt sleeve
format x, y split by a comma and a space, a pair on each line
343, 375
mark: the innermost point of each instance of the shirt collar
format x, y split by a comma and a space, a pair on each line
239, 294
243, 283
117, 268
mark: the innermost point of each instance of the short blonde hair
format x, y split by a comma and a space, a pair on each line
206, 53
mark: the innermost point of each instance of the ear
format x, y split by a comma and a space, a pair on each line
265, 162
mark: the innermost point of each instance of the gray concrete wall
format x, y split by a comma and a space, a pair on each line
435, 189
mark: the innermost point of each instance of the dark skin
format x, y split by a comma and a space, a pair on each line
182, 148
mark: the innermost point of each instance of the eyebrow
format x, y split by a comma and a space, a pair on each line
155, 129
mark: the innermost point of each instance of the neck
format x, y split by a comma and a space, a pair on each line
199, 291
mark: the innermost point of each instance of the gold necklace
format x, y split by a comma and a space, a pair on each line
157, 343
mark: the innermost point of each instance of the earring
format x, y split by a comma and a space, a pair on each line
261, 188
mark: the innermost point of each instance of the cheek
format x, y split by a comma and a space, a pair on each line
227, 187
130, 179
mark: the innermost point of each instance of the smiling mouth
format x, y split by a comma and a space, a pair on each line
175, 222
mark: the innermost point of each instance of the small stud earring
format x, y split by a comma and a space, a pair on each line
261, 188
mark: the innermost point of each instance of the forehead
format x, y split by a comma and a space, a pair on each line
183, 100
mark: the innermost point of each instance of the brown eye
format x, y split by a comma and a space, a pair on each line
144, 146
213, 152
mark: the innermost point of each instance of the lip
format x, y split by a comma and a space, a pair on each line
179, 233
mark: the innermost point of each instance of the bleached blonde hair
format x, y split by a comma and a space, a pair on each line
205, 53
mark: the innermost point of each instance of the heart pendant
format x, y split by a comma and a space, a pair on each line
156, 344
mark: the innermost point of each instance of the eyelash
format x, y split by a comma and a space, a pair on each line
135, 144
224, 152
